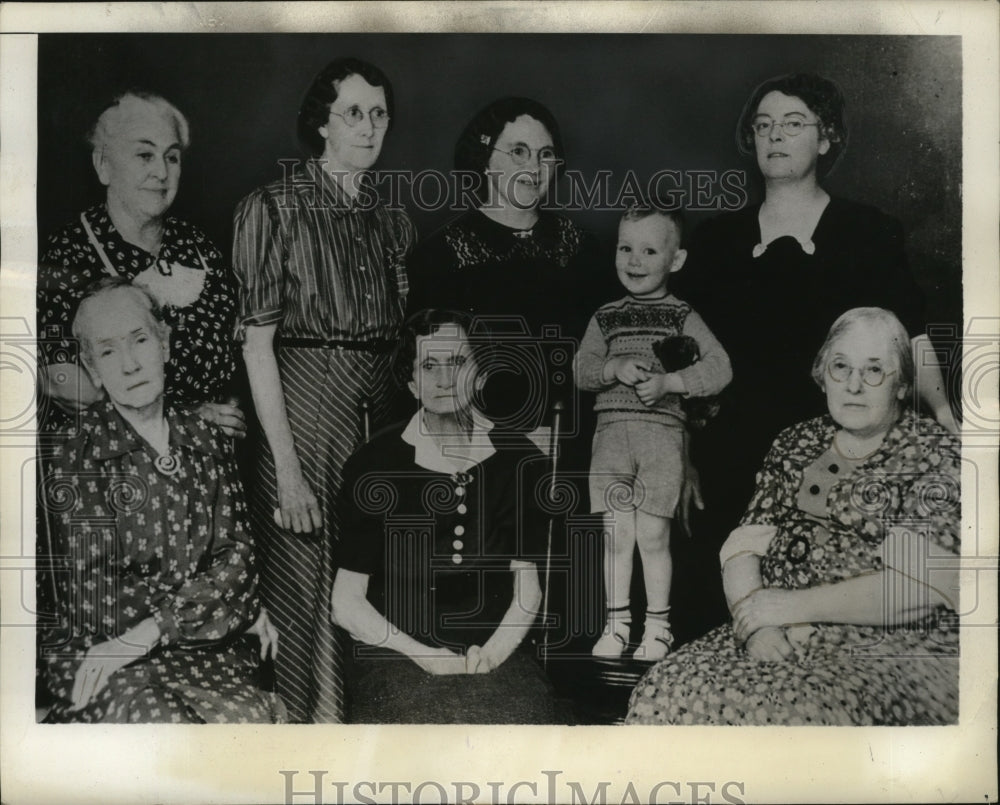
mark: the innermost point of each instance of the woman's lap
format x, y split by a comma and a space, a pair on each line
182, 687
396, 691
713, 681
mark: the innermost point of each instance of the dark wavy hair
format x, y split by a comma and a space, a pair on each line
426, 322
475, 144
315, 109
824, 100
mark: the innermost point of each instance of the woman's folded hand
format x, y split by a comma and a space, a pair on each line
227, 416
768, 607
439, 661
769, 645
481, 659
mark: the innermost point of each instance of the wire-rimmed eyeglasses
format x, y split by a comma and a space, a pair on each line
762, 127
520, 154
872, 374
353, 115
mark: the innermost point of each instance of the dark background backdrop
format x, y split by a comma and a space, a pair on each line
639, 102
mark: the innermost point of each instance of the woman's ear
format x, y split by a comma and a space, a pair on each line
91, 372
322, 131
101, 166
412, 386
824, 144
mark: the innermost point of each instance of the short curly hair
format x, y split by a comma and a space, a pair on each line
126, 102
107, 285
824, 100
475, 145
896, 338
315, 109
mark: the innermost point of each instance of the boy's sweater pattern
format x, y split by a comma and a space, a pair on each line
630, 327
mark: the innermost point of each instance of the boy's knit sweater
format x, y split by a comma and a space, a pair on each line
630, 327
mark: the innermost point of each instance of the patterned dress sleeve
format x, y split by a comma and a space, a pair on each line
258, 262
772, 493
929, 518
58, 293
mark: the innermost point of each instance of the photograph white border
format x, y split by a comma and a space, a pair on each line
175, 764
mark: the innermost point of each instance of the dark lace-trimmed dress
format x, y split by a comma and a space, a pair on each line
187, 277
530, 289
134, 541
840, 674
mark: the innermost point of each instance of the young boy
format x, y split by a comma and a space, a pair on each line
637, 467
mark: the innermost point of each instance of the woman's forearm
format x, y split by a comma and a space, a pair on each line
367, 625
740, 577
268, 396
884, 598
520, 615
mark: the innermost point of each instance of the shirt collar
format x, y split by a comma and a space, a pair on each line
100, 221
432, 456
112, 436
336, 200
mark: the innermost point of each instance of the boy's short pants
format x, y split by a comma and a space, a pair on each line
637, 465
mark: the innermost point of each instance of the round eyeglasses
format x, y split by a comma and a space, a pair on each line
520, 154
354, 115
872, 374
791, 128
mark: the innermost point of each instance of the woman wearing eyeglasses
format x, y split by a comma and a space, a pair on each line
521, 270
772, 277
841, 577
321, 265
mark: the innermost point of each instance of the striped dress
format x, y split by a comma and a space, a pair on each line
319, 265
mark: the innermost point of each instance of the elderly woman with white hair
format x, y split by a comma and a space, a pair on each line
155, 568
842, 575
138, 144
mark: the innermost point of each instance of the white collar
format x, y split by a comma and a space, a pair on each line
432, 456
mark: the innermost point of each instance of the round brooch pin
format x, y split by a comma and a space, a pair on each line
167, 465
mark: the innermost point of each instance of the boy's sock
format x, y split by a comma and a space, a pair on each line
657, 639
615, 636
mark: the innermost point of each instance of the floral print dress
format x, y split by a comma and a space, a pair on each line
137, 538
906, 495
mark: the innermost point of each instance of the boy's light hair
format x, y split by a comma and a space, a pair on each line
646, 209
